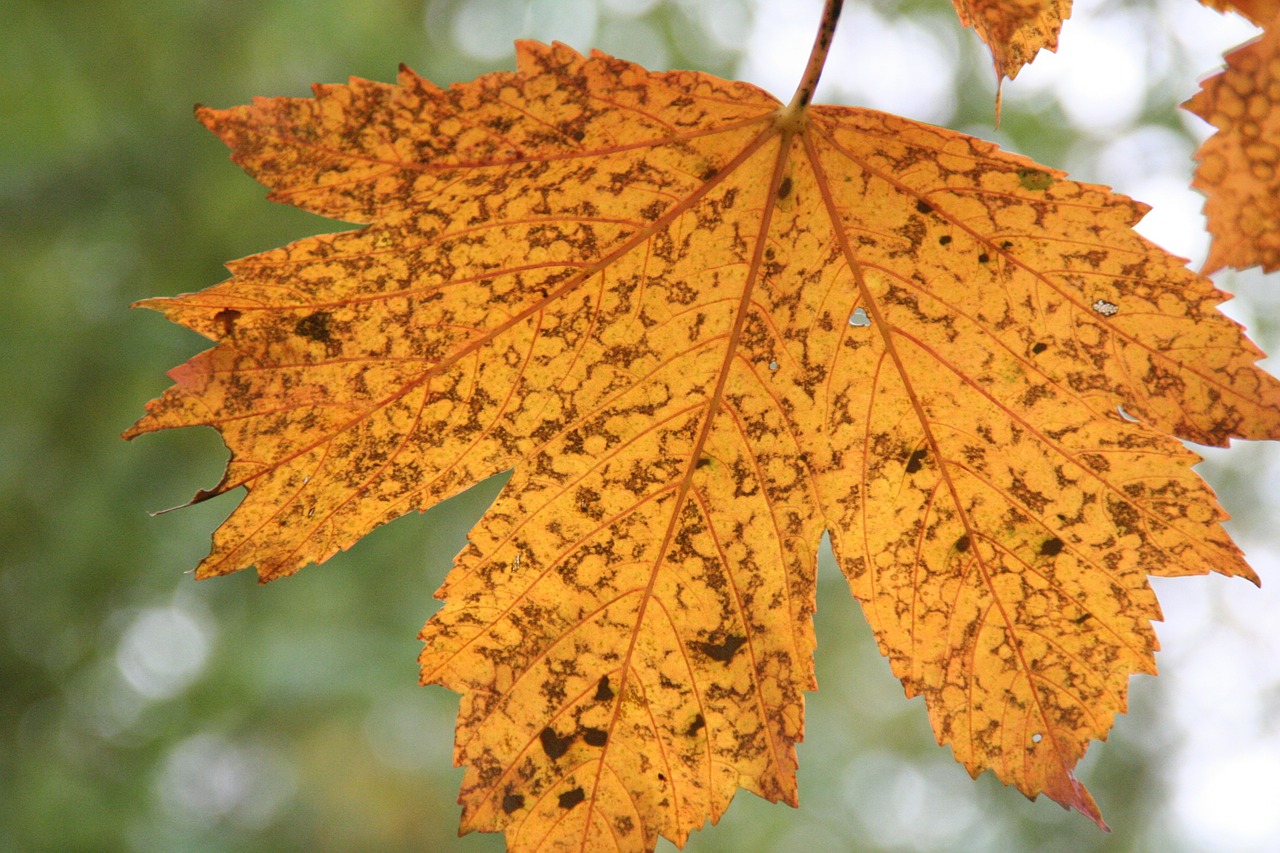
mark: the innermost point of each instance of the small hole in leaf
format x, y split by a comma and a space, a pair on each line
1105, 308
1128, 417
773, 365
1037, 737
859, 318
1034, 179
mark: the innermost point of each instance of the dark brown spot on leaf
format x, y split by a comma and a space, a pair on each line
1051, 547
569, 799
554, 745
226, 318
603, 692
916, 462
698, 724
784, 188
722, 652
944, 240
1039, 348
511, 802
594, 736
962, 544
923, 207
984, 258
314, 326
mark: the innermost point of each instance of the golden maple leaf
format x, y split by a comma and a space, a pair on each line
705, 327
1014, 30
1240, 164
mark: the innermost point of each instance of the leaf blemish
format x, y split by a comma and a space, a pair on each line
698, 724
595, 737
226, 318
784, 188
315, 327
923, 207
916, 462
554, 745
984, 258
569, 799
604, 692
944, 240
722, 652
1051, 547
1039, 347
962, 544
512, 802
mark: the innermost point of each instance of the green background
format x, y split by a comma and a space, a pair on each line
140, 710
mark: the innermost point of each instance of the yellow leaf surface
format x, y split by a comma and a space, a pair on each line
703, 328
1014, 30
1240, 164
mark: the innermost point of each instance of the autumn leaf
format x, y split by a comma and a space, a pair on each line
1014, 30
1259, 12
704, 327
1240, 164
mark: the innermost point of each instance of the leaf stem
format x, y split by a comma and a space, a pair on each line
817, 58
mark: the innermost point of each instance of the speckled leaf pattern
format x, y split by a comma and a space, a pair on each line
703, 328
1014, 30
1240, 164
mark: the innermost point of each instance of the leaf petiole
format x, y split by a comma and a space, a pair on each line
813, 70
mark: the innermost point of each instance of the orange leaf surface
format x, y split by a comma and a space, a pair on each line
1257, 11
704, 327
1014, 30
1240, 164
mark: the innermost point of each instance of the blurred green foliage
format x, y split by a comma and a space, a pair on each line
142, 711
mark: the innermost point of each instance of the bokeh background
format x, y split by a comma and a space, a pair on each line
141, 711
